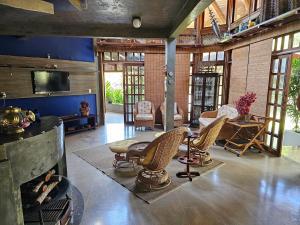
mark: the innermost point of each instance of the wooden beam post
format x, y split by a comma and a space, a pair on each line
170, 56
188, 14
101, 90
30, 5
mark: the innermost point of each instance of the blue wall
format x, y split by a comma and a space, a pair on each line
55, 105
68, 48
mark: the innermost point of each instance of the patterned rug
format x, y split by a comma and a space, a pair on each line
101, 158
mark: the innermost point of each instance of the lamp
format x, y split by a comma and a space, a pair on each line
136, 22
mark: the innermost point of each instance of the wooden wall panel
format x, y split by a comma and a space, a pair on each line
182, 70
16, 80
238, 75
155, 78
154, 81
258, 74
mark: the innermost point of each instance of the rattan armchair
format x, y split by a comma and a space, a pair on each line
227, 130
144, 114
178, 114
205, 140
155, 157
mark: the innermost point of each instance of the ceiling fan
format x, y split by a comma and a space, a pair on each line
42, 6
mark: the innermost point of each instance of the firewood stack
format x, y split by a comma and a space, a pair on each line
38, 191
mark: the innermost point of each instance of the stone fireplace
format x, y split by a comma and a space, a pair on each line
26, 162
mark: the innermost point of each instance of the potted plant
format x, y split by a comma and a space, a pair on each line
84, 108
243, 105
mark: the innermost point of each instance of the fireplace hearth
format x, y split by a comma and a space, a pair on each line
34, 188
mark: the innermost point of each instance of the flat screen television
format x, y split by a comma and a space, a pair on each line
50, 81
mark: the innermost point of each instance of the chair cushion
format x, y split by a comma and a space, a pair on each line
228, 111
175, 107
144, 107
206, 121
141, 116
177, 117
121, 146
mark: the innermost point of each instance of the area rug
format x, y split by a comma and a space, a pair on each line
101, 158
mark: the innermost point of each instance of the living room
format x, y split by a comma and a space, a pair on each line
199, 123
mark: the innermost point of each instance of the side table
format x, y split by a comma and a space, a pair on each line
239, 143
188, 160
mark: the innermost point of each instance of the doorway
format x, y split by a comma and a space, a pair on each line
285, 54
291, 138
124, 83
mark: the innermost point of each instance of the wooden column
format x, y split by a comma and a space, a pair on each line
170, 83
101, 90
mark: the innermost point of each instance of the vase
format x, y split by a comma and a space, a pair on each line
245, 117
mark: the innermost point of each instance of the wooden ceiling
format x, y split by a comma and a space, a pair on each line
99, 18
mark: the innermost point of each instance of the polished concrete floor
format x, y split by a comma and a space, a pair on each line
255, 189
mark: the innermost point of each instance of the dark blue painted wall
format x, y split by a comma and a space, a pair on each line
55, 105
68, 48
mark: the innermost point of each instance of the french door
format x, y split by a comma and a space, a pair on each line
277, 101
134, 88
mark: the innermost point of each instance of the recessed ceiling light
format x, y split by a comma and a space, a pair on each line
136, 22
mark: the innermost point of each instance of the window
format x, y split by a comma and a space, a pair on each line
241, 9
296, 40
286, 42
192, 25
107, 56
219, 10
114, 56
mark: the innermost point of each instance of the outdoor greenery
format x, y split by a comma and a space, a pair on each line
113, 95
294, 91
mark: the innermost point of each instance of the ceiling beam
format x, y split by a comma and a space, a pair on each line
30, 5
218, 12
101, 30
188, 14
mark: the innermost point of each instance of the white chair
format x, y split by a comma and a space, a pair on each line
144, 114
178, 114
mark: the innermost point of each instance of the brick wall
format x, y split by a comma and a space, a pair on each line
182, 70
250, 73
258, 74
154, 81
238, 75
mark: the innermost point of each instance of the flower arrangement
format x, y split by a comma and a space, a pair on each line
244, 103
84, 108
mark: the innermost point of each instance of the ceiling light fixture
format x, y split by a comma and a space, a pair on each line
136, 22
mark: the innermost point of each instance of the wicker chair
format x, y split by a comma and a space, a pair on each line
144, 114
178, 114
155, 157
206, 138
210, 116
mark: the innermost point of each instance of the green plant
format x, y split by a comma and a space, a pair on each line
108, 92
112, 95
117, 96
294, 91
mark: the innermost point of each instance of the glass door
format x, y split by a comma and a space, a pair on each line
134, 88
277, 101
204, 94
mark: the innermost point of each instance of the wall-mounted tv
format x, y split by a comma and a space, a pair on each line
44, 82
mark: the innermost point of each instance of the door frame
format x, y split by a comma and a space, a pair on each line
281, 49
141, 96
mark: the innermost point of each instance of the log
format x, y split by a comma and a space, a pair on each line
42, 197
47, 178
